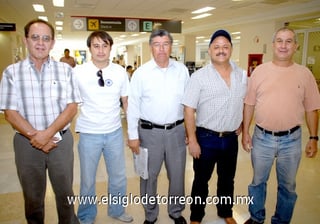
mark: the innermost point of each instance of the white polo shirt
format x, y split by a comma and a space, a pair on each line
100, 110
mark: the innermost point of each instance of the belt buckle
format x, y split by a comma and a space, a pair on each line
221, 134
167, 126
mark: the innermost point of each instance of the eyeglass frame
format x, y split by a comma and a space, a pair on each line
100, 80
44, 38
165, 45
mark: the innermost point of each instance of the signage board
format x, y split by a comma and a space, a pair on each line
7, 27
127, 24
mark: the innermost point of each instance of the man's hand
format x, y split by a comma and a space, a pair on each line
246, 142
134, 145
194, 149
311, 148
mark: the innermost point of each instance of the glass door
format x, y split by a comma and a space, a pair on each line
308, 52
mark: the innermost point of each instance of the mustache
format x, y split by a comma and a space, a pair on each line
221, 53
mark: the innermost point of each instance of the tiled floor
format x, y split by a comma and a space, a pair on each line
307, 209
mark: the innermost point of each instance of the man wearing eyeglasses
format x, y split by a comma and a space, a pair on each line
101, 83
155, 122
39, 98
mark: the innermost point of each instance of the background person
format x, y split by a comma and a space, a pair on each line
130, 71
280, 93
68, 59
101, 85
216, 93
155, 121
39, 99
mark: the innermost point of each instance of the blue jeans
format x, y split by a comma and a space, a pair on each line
90, 147
286, 152
220, 151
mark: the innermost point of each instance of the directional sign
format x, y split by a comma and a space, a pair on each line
132, 25
79, 24
125, 24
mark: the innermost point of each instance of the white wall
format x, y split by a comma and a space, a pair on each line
256, 39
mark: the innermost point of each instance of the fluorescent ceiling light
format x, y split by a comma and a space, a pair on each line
202, 10
59, 28
45, 18
58, 3
59, 23
38, 8
59, 36
201, 16
235, 33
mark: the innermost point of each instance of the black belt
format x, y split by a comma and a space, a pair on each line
279, 133
149, 125
219, 134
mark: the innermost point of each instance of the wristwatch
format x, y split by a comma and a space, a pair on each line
314, 137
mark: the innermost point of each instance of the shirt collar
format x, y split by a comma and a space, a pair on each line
171, 63
48, 62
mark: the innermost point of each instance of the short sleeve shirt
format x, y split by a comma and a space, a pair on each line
40, 97
281, 95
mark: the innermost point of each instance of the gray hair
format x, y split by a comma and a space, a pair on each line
285, 28
160, 33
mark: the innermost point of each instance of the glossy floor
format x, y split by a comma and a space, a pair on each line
307, 209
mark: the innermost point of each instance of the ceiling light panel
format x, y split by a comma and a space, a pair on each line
38, 8
202, 10
58, 3
201, 16
59, 23
45, 18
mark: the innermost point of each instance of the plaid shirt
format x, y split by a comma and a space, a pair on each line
39, 97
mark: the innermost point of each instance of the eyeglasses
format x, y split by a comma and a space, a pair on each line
44, 38
100, 80
159, 45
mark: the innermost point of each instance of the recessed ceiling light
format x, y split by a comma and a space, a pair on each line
59, 36
59, 28
201, 16
45, 18
38, 8
202, 10
59, 23
58, 3
59, 15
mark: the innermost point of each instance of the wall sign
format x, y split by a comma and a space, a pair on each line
7, 27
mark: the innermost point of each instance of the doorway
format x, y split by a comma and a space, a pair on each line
308, 52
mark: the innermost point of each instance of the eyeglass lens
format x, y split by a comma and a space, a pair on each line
36, 37
100, 80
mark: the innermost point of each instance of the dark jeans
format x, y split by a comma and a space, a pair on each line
32, 167
222, 151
